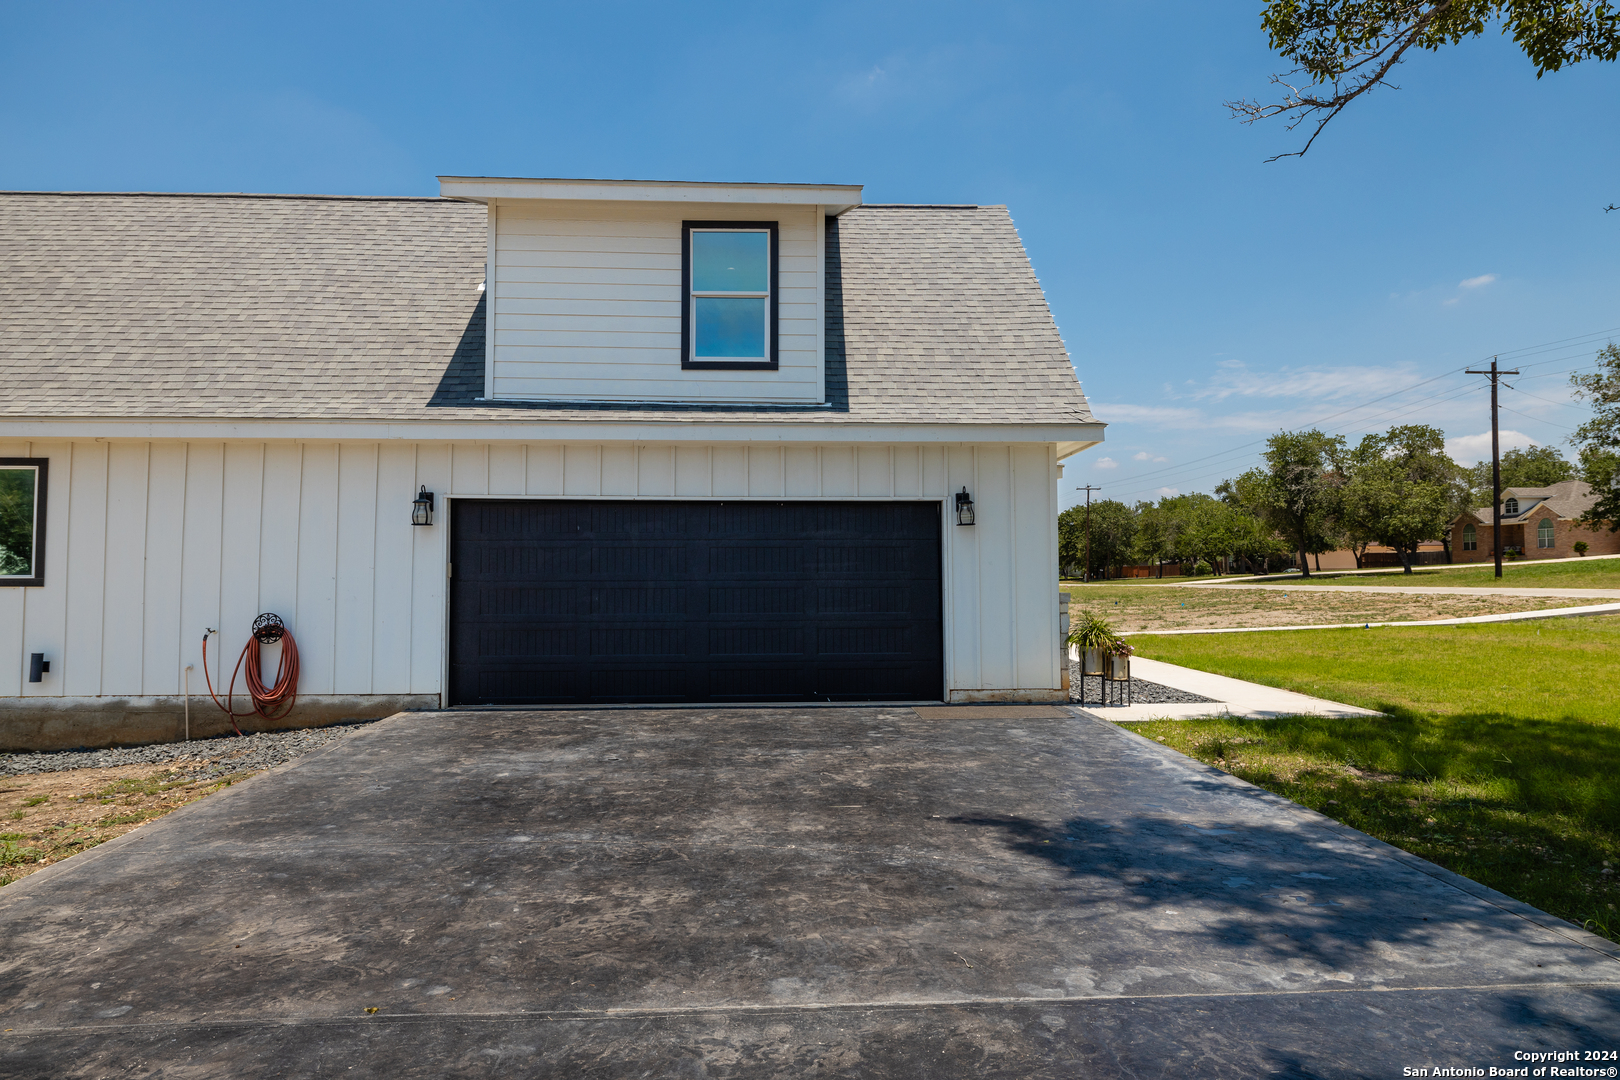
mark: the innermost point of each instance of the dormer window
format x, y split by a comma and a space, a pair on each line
729, 278
1510, 507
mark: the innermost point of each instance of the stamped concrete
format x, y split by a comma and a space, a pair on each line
782, 893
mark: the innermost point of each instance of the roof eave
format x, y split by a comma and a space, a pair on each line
834, 198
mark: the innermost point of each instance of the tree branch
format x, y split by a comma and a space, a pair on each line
1384, 52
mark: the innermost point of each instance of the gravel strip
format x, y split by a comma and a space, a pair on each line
1142, 691
227, 753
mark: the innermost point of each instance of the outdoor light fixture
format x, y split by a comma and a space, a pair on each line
964, 507
422, 507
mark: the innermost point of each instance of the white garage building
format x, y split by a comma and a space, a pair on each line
685, 443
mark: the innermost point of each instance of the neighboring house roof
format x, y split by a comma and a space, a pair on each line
306, 307
1568, 500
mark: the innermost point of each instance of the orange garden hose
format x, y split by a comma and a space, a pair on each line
273, 702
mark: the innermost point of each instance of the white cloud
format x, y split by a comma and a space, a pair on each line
1165, 493
1106, 463
1319, 384
1146, 414
1476, 282
1467, 450
1146, 455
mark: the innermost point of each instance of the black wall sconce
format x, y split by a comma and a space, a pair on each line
37, 667
964, 507
422, 507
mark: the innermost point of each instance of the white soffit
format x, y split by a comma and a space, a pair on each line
835, 198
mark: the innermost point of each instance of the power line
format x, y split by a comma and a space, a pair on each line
1537, 419
1558, 345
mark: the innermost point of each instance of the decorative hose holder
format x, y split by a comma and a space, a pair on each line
273, 702
268, 628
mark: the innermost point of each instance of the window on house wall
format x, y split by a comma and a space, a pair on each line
1544, 533
729, 278
1510, 507
1470, 538
22, 521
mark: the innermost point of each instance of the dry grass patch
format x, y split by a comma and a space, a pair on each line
1137, 609
47, 817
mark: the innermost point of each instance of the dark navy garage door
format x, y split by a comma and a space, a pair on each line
694, 601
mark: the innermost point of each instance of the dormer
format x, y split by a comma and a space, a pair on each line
642, 291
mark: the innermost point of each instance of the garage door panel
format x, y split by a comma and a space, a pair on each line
528, 685
509, 561
526, 601
638, 642
782, 683
641, 684
640, 563
731, 560
734, 641
497, 643
863, 640
689, 601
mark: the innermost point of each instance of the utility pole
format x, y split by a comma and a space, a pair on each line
1088, 489
1496, 464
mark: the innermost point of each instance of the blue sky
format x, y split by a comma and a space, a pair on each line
1207, 298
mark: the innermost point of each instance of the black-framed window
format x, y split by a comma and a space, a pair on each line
22, 521
729, 294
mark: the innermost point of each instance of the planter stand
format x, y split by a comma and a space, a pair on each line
1115, 672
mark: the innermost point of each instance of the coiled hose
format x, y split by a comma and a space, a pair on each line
273, 702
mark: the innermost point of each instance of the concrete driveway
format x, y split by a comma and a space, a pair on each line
772, 893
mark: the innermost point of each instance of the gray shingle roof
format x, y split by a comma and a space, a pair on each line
1569, 500
295, 307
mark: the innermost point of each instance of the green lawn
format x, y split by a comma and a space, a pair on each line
1562, 574
1499, 759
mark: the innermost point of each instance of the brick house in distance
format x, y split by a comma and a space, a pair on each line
1541, 523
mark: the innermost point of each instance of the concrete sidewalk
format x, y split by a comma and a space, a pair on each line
1232, 697
1425, 590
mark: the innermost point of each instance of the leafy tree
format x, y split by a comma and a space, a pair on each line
16, 520
1113, 531
1599, 437
1535, 466
1297, 493
1341, 49
1401, 488
1155, 534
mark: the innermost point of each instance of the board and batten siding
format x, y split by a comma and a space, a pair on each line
585, 300
148, 544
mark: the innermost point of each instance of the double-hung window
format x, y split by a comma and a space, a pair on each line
729, 282
22, 521
1470, 538
1545, 533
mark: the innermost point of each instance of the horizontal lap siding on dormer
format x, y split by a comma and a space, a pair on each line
587, 305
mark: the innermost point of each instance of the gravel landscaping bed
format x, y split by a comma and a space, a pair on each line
1142, 691
229, 753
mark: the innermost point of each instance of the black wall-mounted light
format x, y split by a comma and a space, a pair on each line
964, 507
38, 667
422, 507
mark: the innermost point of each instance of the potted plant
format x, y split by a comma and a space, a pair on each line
1581, 548
1117, 661
1091, 638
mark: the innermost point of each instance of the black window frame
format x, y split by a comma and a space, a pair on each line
687, 362
41, 490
